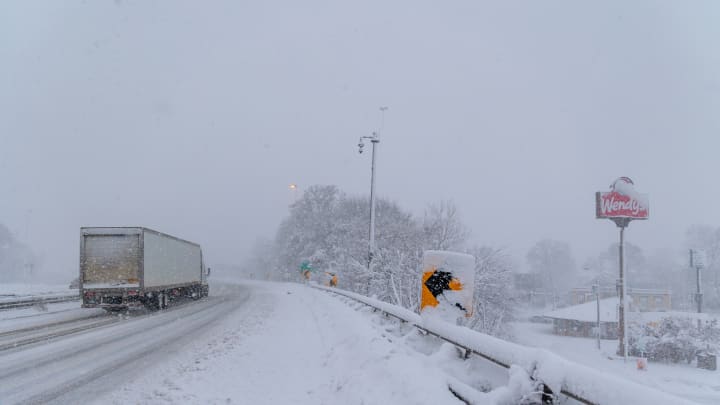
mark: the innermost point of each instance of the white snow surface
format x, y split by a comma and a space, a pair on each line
30, 317
15, 291
628, 189
260, 343
121, 284
587, 312
681, 380
557, 372
291, 345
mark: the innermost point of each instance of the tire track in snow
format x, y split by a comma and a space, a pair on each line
92, 356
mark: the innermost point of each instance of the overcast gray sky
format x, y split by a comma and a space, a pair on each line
193, 117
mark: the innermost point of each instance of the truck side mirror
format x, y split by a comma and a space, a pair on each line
208, 271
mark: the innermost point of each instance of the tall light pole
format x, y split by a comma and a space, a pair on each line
29, 265
293, 189
374, 139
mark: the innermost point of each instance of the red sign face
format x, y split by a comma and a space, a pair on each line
613, 204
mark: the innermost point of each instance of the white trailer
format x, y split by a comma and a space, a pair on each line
133, 267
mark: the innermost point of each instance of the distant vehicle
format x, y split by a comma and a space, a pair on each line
135, 267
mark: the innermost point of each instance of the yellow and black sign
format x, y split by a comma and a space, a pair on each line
447, 285
333, 279
434, 283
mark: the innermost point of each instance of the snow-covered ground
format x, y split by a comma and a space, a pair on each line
294, 345
262, 342
686, 381
28, 317
19, 289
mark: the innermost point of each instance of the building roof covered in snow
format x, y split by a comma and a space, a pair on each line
587, 312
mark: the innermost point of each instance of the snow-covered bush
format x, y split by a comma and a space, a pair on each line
674, 339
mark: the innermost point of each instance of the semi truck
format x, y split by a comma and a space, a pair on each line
134, 267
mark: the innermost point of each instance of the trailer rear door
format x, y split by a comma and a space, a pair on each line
111, 261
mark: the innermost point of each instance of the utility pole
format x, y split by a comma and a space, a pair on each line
697, 261
596, 290
293, 190
375, 140
371, 242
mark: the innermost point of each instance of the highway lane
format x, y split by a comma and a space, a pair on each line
77, 367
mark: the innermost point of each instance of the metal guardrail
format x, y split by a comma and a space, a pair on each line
580, 383
547, 395
29, 302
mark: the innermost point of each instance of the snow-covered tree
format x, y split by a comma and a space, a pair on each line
707, 238
492, 297
308, 233
442, 227
329, 229
554, 261
635, 265
15, 257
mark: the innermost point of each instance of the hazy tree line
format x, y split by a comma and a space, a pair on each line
667, 269
15, 257
329, 229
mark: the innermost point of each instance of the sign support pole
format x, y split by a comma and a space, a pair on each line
621, 205
622, 318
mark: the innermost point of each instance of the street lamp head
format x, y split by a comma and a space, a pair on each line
293, 186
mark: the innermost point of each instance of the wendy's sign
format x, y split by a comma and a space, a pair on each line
622, 201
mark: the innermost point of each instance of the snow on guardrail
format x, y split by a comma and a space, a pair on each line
28, 301
577, 381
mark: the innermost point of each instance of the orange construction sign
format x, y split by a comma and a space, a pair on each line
333, 279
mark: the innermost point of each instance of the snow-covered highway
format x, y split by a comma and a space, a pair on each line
74, 368
252, 343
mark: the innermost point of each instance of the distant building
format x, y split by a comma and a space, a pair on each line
581, 295
581, 320
641, 300
650, 300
